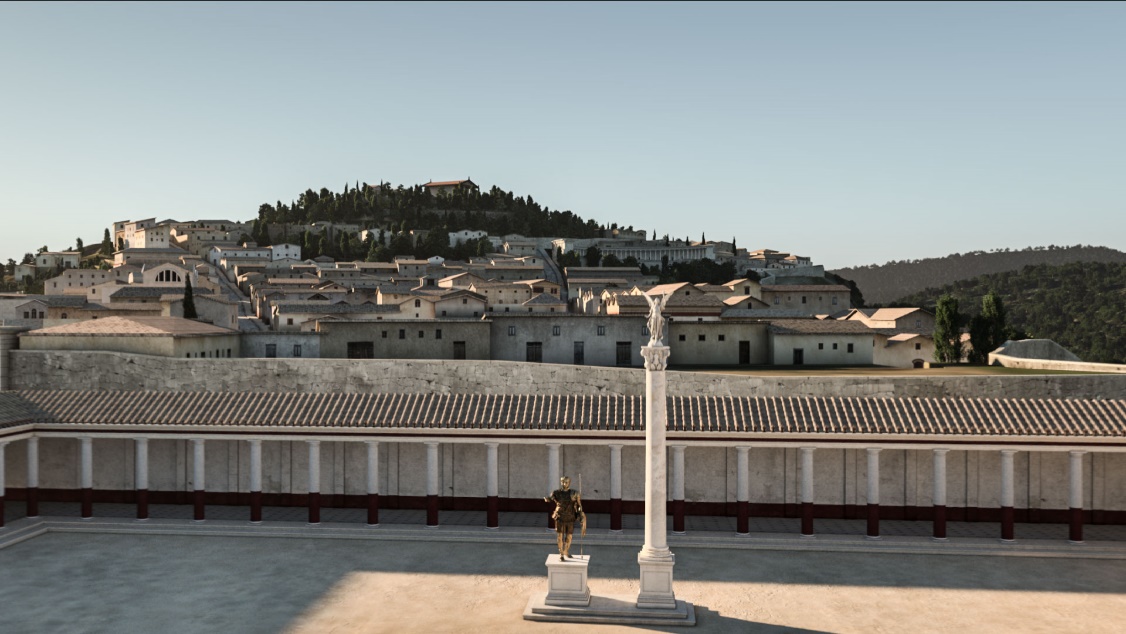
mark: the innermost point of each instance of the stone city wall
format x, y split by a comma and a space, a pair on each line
840, 476
34, 369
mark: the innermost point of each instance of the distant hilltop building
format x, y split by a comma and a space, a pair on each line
448, 187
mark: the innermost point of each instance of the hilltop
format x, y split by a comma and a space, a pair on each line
894, 280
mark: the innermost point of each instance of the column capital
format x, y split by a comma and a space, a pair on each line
553, 445
141, 439
941, 451
873, 450
254, 441
368, 442
742, 448
656, 357
1078, 452
678, 448
198, 441
1008, 452
808, 449
433, 443
615, 447
313, 443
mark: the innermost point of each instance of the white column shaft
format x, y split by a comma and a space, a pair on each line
677, 472
373, 467
141, 463
33, 462
1007, 493
314, 466
873, 475
491, 475
198, 464
1075, 480
431, 468
255, 465
87, 464
807, 475
615, 472
742, 474
552, 467
656, 493
940, 477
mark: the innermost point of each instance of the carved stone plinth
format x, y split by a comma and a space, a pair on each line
566, 581
656, 582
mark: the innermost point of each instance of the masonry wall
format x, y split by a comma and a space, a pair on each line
840, 485
41, 369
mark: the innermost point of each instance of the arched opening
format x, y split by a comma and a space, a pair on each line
917, 364
168, 276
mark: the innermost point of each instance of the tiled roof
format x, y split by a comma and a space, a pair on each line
133, 327
17, 411
155, 291
329, 308
819, 326
446, 183
687, 414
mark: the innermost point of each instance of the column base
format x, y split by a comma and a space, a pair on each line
1075, 543
656, 582
939, 539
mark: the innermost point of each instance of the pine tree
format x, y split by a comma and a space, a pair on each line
189, 300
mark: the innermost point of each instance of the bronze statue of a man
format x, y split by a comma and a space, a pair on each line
568, 508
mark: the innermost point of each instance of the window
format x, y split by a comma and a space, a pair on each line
746, 290
289, 321
623, 353
506, 309
64, 315
777, 300
271, 350
834, 300
850, 347
534, 353
601, 331
443, 313
703, 337
384, 334
803, 299
512, 331
820, 346
417, 303
187, 355
681, 338
918, 346
555, 331
459, 349
580, 353
228, 353
687, 292
464, 301
918, 324
834, 346
402, 333
420, 334
722, 338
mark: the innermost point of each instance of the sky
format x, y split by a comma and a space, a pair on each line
852, 133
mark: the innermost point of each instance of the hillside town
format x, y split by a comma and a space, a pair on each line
206, 289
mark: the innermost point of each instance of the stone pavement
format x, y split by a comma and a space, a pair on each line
125, 576
597, 522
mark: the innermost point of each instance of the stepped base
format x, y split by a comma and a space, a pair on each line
610, 610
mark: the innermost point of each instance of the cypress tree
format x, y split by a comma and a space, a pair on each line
189, 300
947, 335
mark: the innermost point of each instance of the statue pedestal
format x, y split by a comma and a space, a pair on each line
656, 582
566, 581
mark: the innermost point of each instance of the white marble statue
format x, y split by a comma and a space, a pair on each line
656, 319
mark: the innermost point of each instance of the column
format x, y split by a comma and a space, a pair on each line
552, 478
1007, 495
873, 493
655, 559
742, 490
314, 481
255, 480
1075, 496
940, 494
141, 476
86, 469
198, 468
492, 514
677, 489
32, 477
432, 484
807, 491
3, 446
615, 488
373, 482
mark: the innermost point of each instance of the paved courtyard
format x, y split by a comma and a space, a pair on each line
97, 581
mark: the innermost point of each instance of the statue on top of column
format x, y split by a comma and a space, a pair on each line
656, 319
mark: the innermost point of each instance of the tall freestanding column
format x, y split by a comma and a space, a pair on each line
940, 494
742, 491
1075, 496
86, 446
314, 481
492, 503
199, 488
807, 491
32, 477
141, 476
373, 482
655, 559
432, 484
255, 480
552, 478
677, 489
873, 493
615, 488
1007, 495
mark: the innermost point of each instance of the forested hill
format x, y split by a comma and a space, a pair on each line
1080, 305
496, 211
888, 282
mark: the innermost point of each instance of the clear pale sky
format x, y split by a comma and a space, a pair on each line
851, 133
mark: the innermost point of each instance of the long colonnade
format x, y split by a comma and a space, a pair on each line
677, 475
